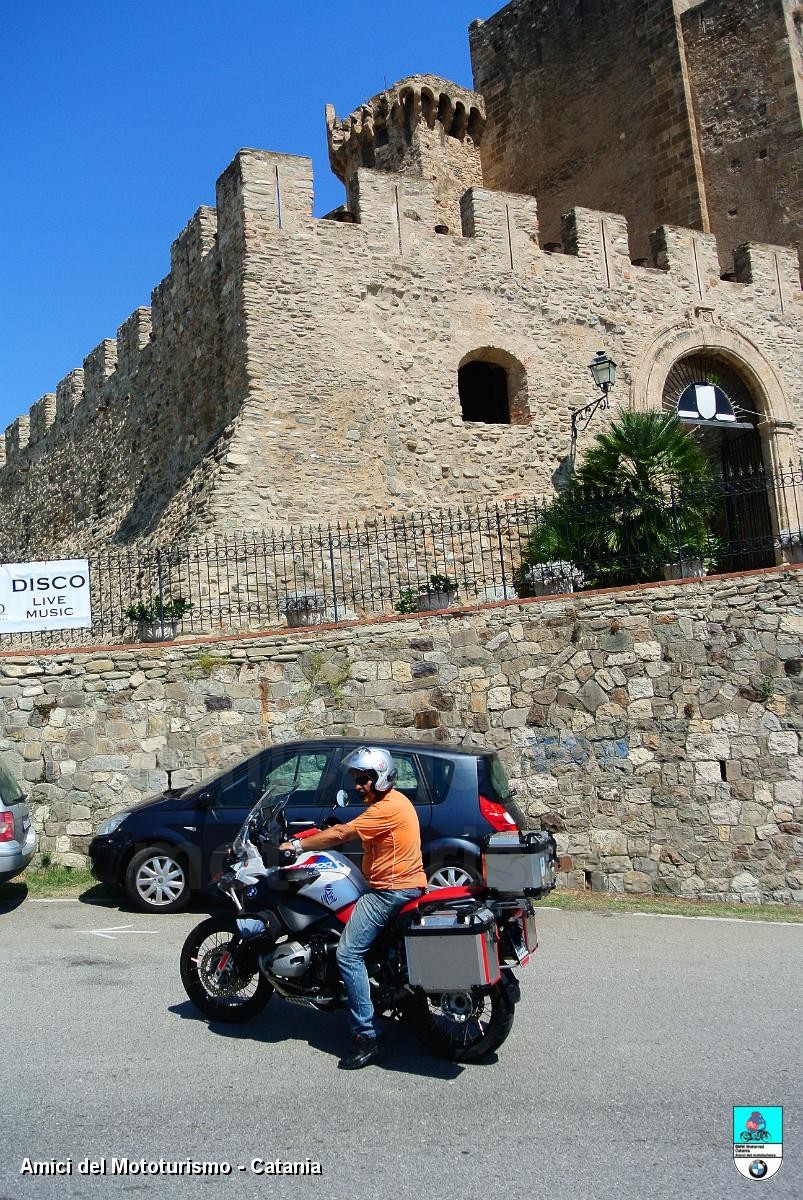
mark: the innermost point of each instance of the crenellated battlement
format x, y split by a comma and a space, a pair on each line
262, 195
132, 337
422, 127
42, 416
375, 132
272, 326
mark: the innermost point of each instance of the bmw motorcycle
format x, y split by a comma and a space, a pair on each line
444, 966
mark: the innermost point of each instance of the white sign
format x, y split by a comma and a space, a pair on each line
45, 595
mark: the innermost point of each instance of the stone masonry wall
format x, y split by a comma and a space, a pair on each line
749, 121
681, 111
133, 441
587, 104
655, 730
294, 369
360, 411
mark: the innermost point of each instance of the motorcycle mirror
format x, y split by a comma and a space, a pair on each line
342, 799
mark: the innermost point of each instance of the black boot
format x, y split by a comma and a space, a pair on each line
364, 1050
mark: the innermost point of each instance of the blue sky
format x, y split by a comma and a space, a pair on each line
116, 119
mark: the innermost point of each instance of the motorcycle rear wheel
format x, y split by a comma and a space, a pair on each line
218, 982
463, 1027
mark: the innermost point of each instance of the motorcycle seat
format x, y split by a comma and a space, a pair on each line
441, 896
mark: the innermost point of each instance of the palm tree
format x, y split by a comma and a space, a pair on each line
640, 499
640, 451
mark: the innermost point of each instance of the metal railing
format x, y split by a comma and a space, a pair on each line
342, 571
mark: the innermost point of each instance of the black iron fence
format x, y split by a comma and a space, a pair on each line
346, 570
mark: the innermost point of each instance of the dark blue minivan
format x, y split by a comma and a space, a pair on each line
163, 850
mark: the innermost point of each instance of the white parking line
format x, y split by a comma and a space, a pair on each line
672, 916
112, 931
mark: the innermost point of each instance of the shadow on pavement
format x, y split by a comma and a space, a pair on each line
328, 1032
12, 895
104, 896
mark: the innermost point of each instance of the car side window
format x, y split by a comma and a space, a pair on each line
409, 781
438, 773
298, 773
241, 788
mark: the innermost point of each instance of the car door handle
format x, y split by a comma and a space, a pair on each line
300, 824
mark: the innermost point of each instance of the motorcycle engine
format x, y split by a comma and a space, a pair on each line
289, 960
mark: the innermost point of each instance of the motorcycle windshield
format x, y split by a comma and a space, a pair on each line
263, 817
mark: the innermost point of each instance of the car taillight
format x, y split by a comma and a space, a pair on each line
496, 815
6, 827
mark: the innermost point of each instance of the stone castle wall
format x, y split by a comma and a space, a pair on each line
588, 104
128, 442
742, 64
669, 111
655, 730
294, 369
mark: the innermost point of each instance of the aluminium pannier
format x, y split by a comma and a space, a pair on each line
451, 950
520, 864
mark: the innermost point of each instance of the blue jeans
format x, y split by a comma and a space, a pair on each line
371, 914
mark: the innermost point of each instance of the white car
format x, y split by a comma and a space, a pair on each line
17, 838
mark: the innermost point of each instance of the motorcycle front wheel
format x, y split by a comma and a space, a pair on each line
221, 982
462, 1027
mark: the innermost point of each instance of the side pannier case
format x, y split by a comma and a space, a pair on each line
451, 950
520, 864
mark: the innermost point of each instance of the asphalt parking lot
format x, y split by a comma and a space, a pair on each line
634, 1038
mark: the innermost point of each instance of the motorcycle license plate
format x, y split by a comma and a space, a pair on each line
523, 935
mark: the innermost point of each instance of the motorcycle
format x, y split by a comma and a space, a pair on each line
444, 966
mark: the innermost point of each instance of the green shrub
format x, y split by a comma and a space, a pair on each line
153, 611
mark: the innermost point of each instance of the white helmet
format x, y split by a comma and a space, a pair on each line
376, 762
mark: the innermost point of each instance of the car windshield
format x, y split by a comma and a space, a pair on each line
10, 791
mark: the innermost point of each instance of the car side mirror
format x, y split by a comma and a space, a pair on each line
205, 801
341, 799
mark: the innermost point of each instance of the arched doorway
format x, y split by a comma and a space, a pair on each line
710, 395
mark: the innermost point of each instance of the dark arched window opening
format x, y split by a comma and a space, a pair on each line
484, 393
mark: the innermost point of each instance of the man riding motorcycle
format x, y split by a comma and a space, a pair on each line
393, 867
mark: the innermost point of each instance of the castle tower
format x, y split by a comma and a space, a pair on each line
422, 126
682, 112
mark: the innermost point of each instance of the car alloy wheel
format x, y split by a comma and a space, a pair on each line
449, 875
157, 881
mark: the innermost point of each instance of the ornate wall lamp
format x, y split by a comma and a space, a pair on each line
603, 372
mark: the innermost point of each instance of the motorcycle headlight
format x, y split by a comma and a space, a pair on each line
112, 823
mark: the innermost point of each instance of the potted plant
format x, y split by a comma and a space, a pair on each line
303, 608
688, 565
440, 592
157, 619
407, 601
790, 543
553, 578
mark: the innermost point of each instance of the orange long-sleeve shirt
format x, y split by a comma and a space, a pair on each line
391, 838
